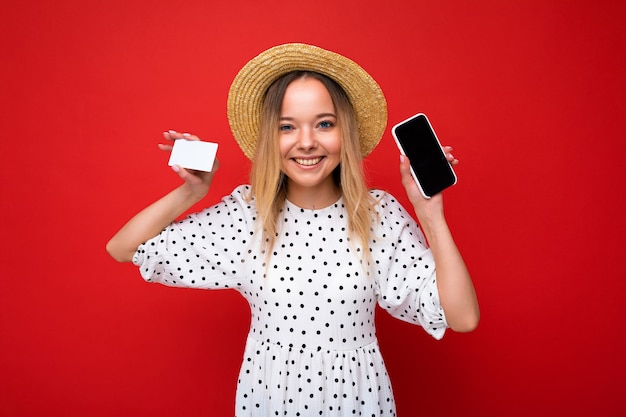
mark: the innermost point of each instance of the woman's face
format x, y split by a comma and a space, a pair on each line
309, 139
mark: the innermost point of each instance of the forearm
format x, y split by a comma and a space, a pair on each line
149, 222
456, 290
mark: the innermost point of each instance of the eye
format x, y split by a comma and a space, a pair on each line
285, 128
326, 124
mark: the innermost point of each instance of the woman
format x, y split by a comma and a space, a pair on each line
306, 243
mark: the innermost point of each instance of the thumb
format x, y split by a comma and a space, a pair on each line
405, 165
182, 172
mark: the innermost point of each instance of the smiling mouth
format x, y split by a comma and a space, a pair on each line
308, 162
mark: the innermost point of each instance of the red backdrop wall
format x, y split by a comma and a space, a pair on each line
530, 94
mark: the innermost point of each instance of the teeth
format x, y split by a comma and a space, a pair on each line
307, 162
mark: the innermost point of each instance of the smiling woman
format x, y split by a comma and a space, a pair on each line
310, 248
309, 144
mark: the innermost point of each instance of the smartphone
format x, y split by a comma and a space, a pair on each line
417, 140
193, 154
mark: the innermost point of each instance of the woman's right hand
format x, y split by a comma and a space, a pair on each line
197, 181
150, 221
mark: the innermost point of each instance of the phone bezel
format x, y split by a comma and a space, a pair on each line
399, 142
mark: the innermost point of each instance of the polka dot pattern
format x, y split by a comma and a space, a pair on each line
312, 347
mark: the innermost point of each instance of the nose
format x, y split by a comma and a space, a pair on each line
306, 139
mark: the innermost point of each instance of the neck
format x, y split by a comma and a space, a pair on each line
313, 198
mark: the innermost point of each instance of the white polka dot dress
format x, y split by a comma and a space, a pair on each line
312, 347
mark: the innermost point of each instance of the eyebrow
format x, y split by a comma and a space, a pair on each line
319, 116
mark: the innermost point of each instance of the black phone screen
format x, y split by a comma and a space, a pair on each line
428, 162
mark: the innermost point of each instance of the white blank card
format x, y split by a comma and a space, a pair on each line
193, 154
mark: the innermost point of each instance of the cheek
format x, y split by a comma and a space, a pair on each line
283, 145
335, 145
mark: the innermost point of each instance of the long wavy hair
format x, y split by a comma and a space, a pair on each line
269, 183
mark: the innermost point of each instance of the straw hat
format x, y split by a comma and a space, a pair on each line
247, 91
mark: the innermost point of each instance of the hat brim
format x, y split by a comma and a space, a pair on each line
245, 98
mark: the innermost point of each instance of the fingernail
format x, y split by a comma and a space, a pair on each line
172, 131
175, 168
186, 134
401, 158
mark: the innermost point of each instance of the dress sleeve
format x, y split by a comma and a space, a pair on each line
405, 269
204, 250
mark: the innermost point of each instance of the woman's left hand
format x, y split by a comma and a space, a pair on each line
424, 207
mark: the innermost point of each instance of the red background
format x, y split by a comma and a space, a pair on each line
530, 94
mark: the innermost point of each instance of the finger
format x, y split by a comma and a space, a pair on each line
451, 159
405, 170
170, 135
183, 173
449, 156
404, 164
174, 135
189, 136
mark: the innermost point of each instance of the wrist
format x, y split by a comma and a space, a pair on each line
192, 193
431, 221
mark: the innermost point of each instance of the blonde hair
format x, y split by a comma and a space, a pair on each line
269, 183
